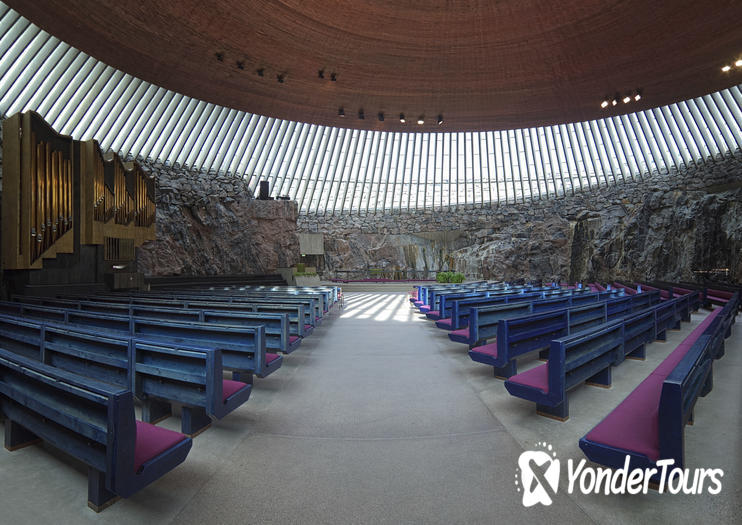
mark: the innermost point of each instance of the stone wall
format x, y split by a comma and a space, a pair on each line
209, 225
666, 226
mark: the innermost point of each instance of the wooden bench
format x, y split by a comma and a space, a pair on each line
483, 321
648, 425
312, 304
278, 335
243, 347
89, 420
534, 332
586, 356
159, 375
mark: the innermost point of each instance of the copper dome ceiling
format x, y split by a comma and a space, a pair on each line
482, 65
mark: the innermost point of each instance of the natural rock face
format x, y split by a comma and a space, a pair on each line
669, 226
208, 225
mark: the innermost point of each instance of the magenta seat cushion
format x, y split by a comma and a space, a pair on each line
463, 332
308, 327
675, 357
537, 377
721, 293
425, 308
269, 358
634, 424
229, 387
444, 322
418, 303
153, 441
717, 299
293, 339
434, 312
488, 349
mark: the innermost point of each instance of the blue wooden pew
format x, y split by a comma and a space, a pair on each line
649, 424
483, 321
276, 325
586, 356
243, 347
311, 304
460, 308
158, 375
518, 336
90, 420
301, 318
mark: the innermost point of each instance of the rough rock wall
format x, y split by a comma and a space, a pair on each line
209, 225
667, 226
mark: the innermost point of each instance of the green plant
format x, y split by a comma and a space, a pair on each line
300, 268
450, 277
305, 274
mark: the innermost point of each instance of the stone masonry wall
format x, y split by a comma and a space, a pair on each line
209, 225
666, 227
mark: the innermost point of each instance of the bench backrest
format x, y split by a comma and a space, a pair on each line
680, 391
185, 375
577, 357
90, 420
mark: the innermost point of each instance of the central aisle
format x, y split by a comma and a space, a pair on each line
369, 421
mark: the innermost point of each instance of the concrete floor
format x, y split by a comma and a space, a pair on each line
379, 418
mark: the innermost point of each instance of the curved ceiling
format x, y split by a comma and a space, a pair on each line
483, 65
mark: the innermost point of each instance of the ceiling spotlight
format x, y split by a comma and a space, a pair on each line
321, 73
219, 56
440, 119
333, 77
726, 68
738, 63
361, 114
421, 120
341, 112
240, 64
260, 71
638, 95
381, 116
627, 99
614, 102
401, 118
280, 77
605, 103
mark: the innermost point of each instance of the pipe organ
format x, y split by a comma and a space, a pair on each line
59, 193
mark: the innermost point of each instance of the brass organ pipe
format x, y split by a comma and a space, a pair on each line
34, 189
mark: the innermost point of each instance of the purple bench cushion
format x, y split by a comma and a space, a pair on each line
434, 312
490, 349
634, 424
425, 308
229, 387
463, 332
152, 441
717, 299
444, 323
308, 327
723, 294
293, 339
269, 358
676, 356
537, 377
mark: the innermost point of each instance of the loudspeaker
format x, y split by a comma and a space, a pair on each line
264, 191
